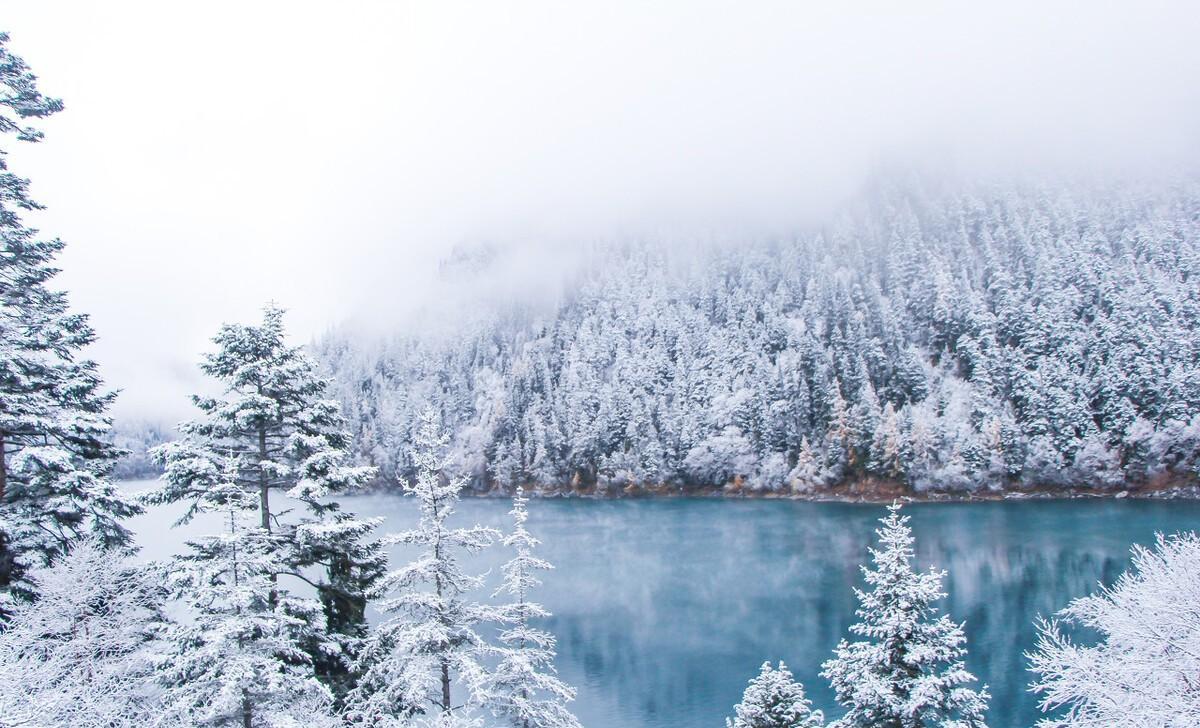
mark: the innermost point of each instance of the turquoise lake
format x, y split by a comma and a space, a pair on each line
663, 609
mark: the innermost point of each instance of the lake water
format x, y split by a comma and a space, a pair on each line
664, 608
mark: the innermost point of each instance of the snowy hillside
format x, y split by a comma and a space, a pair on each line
1004, 336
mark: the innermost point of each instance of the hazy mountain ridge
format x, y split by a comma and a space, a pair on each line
1002, 336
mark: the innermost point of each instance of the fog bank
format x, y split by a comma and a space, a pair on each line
213, 156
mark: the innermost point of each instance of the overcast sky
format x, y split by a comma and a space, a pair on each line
213, 156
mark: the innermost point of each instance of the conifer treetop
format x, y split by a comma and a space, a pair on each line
773, 699
273, 414
524, 688
907, 669
426, 657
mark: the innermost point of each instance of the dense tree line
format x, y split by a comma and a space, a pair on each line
1009, 336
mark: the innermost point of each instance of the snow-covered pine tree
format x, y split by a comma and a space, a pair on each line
1142, 669
774, 699
410, 663
80, 654
887, 446
54, 453
523, 688
908, 671
235, 659
289, 442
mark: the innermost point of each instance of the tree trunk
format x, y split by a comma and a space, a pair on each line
247, 711
3, 467
445, 687
263, 503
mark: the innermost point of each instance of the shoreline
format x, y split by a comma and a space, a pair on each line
870, 491
874, 491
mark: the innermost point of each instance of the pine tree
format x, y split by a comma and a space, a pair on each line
839, 436
774, 700
887, 445
235, 659
288, 441
806, 474
523, 688
54, 453
908, 671
410, 663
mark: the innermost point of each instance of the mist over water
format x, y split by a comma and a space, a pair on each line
663, 609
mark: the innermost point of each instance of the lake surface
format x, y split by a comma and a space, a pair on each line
665, 608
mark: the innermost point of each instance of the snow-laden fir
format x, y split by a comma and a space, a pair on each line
429, 648
907, 669
55, 454
286, 445
959, 337
523, 687
773, 699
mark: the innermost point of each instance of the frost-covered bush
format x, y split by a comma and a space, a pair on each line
1142, 668
81, 654
772, 474
720, 458
806, 473
1097, 463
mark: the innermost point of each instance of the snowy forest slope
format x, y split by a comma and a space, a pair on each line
998, 337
